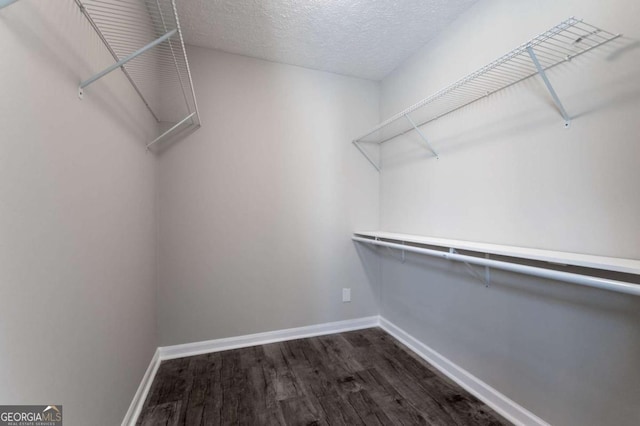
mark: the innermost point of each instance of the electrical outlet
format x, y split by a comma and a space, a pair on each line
346, 295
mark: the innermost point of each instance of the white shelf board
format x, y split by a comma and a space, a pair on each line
629, 266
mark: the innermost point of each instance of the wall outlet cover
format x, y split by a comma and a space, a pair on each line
346, 295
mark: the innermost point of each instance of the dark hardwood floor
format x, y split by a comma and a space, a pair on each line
362, 377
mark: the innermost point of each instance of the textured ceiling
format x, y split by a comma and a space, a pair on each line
362, 38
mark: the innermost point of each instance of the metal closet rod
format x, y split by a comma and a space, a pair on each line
584, 280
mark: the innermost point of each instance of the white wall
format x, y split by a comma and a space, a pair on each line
509, 173
77, 220
257, 206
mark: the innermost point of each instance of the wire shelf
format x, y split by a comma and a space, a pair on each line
560, 44
158, 72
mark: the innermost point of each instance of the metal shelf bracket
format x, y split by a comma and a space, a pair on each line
402, 251
123, 61
486, 280
487, 271
545, 79
422, 136
363, 152
175, 126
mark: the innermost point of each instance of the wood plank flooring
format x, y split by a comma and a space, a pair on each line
361, 377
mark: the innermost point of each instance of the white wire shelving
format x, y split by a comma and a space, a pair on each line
145, 40
560, 44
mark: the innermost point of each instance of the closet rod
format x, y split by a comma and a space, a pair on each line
585, 280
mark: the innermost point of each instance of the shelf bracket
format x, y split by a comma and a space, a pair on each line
402, 251
175, 126
487, 272
5, 3
363, 152
422, 136
123, 61
545, 79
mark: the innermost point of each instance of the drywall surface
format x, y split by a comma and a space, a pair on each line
77, 225
510, 173
257, 207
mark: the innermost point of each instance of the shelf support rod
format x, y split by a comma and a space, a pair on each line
363, 152
175, 126
123, 61
547, 83
424, 138
5, 3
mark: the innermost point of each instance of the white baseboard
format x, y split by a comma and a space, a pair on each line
135, 408
198, 348
506, 407
494, 399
